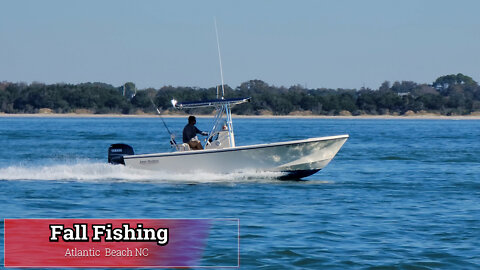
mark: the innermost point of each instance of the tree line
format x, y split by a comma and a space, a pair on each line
454, 94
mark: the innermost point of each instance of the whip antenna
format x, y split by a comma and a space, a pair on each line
219, 58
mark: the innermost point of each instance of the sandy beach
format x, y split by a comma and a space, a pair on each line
83, 115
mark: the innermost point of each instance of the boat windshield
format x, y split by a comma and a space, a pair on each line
222, 122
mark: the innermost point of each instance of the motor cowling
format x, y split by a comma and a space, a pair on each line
117, 151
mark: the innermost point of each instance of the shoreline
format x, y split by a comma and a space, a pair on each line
381, 117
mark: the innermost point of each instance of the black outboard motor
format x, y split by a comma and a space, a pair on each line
117, 151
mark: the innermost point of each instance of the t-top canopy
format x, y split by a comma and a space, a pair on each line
209, 103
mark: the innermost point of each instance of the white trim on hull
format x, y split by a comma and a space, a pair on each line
309, 155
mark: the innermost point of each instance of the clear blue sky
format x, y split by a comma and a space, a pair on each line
334, 44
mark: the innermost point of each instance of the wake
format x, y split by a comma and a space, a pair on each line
104, 172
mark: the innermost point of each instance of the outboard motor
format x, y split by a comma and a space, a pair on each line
117, 151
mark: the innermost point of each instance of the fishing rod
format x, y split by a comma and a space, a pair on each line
172, 136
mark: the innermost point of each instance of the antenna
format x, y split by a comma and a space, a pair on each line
219, 58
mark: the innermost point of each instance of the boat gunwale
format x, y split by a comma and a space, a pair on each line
237, 148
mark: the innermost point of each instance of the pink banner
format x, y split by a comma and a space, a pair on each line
105, 242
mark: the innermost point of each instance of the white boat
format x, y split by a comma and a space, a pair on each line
291, 159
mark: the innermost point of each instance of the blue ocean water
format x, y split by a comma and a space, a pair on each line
400, 194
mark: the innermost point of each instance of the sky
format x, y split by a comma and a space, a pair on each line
153, 43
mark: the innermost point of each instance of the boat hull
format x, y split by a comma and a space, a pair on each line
295, 158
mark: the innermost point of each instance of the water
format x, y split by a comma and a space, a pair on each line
401, 194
